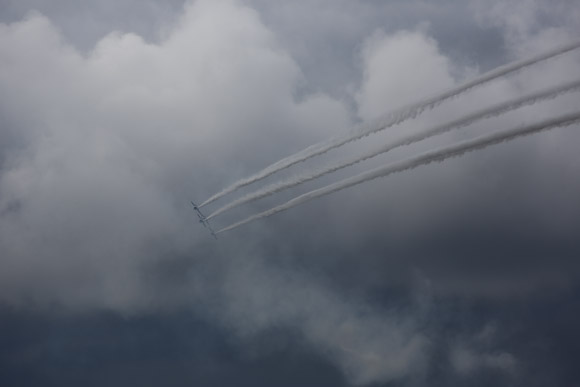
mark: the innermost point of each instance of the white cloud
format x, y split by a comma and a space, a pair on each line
398, 68
113, 139
370, 345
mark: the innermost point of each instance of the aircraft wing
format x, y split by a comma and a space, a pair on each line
203, 219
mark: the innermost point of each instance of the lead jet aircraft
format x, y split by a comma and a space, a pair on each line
203, 220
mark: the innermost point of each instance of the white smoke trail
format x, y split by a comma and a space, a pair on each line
461, 122
414, 162
390, 119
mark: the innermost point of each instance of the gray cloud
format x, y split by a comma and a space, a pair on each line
106, 137
85, 23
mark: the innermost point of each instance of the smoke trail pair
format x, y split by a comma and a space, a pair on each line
461, 122
393, 118
414, 162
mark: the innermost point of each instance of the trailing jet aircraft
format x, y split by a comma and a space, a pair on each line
203, 220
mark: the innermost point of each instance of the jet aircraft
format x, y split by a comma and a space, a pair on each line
203, 220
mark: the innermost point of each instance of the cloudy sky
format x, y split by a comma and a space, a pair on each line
115, 114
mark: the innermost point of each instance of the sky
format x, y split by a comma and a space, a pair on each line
114, 115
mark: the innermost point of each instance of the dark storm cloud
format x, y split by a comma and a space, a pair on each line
102, 348
106, 136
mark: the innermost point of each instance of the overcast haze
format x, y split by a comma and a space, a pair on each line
115, 114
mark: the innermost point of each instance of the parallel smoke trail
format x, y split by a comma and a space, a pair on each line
390, 119
414, 162
461, 122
